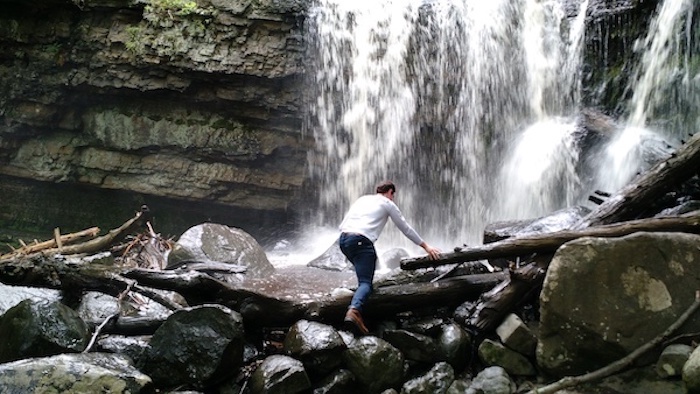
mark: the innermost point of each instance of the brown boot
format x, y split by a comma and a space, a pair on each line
354, 317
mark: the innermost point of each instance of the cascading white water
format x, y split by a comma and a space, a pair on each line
432, 95
469, 106
539, 174
665, 98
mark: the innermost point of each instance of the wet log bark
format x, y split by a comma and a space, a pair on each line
521, 285
448, 292
130, 325
548, 243
630, 201
261, 310
258, 309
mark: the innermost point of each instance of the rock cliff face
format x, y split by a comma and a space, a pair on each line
190, 106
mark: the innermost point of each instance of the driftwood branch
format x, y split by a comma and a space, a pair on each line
92, 246
57, 242
622, 363
548, 243
494, 305
630, 201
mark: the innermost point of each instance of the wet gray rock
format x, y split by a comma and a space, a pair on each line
492, 380
430, 326
417, 347
437, 380
454, 344
492, 353
691, 372
517, 336
196, 346
318, 346
391, 259
37, 329
219, 243
341, 381
556, 221
672, 359
279, 374
612, 296
74, 373
13, 295
332, 259
130, 346
376, 364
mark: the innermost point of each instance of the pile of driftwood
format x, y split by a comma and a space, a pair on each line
144, 250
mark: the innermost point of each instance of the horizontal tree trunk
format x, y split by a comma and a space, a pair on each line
257, 309
548, 243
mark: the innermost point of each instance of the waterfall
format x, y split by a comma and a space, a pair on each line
663, 107
432, 95
470, 107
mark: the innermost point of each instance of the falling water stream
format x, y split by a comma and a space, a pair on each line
470, 107
665, 99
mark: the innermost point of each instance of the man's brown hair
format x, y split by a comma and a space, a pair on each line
385, 187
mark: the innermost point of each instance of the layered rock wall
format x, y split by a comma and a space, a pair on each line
171, 101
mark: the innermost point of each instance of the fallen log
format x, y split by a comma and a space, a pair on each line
258, 309
262, 310
633, 199
548, 243
448, 292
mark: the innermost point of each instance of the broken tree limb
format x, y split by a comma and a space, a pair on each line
92, 246
548, 243
631, 200
129, 326
494, 306
622, 363
104, 242
52, 243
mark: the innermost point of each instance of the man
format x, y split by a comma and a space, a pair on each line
359, 230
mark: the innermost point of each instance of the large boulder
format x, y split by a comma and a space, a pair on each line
219, 243
602, 298
38, 329
74, 373
195, 346
376, 364
437, 380
279, 374
317, 345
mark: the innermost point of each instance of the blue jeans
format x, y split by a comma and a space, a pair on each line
361, 253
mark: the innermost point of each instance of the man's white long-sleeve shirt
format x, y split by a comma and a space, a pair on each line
369, 214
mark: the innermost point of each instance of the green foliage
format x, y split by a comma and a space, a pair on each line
172, 7
53, 49
135, 42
